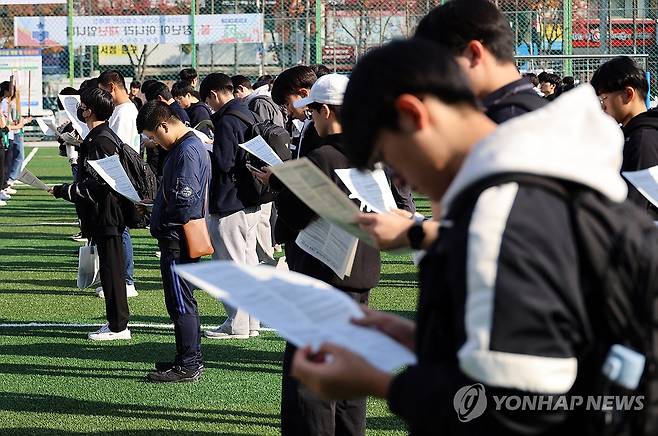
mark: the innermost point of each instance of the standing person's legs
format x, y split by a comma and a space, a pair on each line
19, 157
181, 305
253, 216
110, 254
350, 415
129, 266
264, 247
229, 239
302, 412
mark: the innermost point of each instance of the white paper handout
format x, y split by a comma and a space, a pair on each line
111, 170
321, 194
369, 187
70, 103
646, 181
330, 244
47, 126
30, 179
305, 311
261, 149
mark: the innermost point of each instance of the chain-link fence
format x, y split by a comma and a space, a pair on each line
156, 38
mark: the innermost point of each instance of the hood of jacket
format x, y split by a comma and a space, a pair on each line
570, 139
648, 119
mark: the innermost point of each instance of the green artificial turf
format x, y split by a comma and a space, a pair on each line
53, 381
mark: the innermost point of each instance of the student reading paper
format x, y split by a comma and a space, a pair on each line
303, 413
99, 210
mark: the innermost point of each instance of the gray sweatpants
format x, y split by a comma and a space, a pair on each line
234, 238
264, 246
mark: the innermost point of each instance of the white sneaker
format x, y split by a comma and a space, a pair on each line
222, 332
3, 203
10, 191
105, 334
4, 196
130, 291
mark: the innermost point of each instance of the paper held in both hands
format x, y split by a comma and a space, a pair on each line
30, 179
70, 103
305, 311
111, 170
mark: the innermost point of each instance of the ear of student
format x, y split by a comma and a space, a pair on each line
474, 52
412, 113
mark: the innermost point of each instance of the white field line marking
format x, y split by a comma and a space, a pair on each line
73, 325
29, 158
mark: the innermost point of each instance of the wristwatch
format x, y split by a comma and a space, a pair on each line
416, 233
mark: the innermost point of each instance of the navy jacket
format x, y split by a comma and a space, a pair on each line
180, 112
229, 132
199, 112
183, 189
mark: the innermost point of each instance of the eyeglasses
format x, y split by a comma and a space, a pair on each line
602, 100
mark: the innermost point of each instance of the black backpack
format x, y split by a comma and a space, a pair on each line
141, 176
618, 252
250, 190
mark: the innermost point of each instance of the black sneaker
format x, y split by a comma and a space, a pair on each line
165, 366
175, 374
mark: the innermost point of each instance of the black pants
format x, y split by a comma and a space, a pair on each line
305, 414
112, 271
181, 305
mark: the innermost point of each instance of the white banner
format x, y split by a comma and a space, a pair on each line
139, 29
25, 65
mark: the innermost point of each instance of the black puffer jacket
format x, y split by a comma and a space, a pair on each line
641, 152
296, 215
97, 205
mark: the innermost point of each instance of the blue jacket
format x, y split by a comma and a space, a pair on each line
229, 132
183, 189
180, 113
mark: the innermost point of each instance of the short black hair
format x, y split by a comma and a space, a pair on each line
153, 113
320, 70
135, 84
158, 89
240, 80
89, 83
4, 87
551, 78
266, 79
422, 68
617, 74
147, 83
68, 90
98, 101
543, 76
532, 77
291, 80
215, 82
112, 76
181, 89
458, 22
188, 75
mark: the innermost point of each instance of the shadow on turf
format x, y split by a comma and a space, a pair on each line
168, 432
217, 356
38, 403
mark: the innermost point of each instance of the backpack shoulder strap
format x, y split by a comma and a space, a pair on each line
470, 193
242, 117
524, 100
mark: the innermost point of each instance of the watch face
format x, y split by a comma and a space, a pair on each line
416, 235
